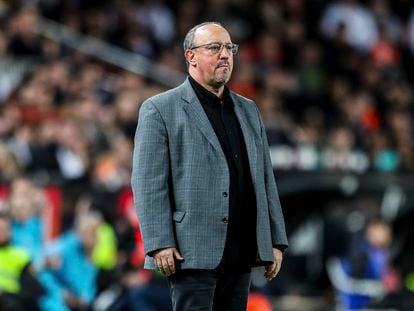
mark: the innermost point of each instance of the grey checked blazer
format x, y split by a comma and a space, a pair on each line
180, 179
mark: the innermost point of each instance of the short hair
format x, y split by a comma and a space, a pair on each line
189, 37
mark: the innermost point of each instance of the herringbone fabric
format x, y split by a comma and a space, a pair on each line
181, 181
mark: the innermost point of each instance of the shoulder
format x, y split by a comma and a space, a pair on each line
244, 100
246, 103
20, 256
164, 99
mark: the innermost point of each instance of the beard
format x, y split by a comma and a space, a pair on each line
220, 79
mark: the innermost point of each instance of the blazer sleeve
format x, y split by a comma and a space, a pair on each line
150, 173
277, 223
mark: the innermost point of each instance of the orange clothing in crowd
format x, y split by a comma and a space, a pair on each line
258, 302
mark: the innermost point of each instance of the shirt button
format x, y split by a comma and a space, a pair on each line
224, 220
225, 194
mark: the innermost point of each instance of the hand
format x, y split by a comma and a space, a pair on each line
164, 260
74, 302
273, 269
52, 262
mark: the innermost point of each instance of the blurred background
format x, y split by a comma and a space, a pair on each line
334, 83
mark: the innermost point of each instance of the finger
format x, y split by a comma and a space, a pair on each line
158, 264
278, 266
275, 265
171, 264
270, 273
177, 255
269, 277
276, 269
165, 266
269, 268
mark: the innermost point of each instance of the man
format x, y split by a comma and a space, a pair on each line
203, 182
71, 273
358, 276
19, 288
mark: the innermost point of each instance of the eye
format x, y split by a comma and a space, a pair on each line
214, 47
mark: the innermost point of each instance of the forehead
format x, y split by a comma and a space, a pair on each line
211, 33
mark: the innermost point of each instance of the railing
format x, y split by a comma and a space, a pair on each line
109, 53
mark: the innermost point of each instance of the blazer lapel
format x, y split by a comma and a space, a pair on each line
196, 112
247, 134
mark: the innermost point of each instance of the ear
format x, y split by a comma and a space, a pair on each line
190, 57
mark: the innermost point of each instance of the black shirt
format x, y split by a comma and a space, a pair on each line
241, 247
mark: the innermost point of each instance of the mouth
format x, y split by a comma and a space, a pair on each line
225, 65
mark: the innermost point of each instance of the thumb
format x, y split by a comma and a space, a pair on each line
177, 254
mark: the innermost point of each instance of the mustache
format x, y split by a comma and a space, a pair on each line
224, 62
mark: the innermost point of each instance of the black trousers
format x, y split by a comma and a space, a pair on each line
209, 290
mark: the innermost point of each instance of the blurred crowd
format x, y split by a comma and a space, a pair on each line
331, 78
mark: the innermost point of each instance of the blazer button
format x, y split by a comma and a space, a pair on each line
225, 194
224, 220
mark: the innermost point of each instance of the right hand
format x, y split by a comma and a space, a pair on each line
73, 302
164, 260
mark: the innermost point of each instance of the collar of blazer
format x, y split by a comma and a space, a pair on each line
195, 110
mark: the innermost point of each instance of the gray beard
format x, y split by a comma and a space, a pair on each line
216, 84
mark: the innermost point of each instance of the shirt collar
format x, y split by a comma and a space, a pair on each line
205, 96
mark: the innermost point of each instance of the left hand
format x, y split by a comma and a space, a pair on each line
272, 270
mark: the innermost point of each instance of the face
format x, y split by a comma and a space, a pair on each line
209, 69
88, 235
21, 208
379, 234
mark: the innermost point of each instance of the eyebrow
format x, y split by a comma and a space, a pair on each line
216, 42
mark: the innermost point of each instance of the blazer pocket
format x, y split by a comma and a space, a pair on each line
178, 216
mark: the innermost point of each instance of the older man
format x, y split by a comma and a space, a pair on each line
203, 182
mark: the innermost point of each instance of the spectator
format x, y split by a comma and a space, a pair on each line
9, 167
23, 40
360, 25
71, 274
386, 19
26, 204
19, 289
341, 153
331, 78
157, 18
358, 276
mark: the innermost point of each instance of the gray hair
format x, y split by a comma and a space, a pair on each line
188, 43
189, 37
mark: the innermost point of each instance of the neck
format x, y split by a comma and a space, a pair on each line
216, 91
